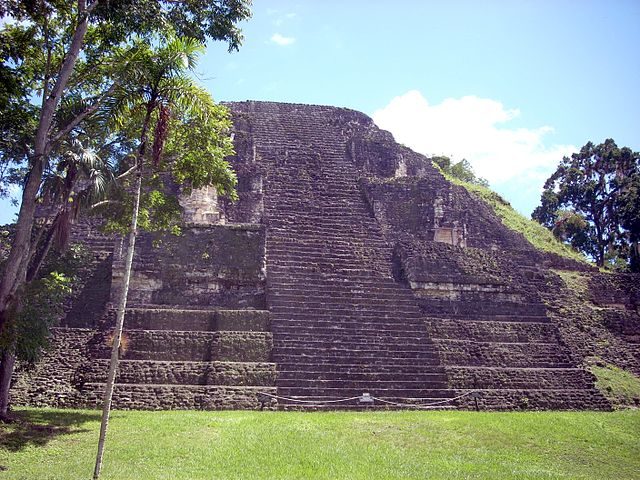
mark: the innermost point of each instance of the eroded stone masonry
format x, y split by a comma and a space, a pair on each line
348, 265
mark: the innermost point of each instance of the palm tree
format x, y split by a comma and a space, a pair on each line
159, 93
81, 178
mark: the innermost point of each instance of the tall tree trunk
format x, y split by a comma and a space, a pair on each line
117, 335
17, 262
15, 268
6, 370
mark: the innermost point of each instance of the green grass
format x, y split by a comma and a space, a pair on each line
539, 236
622, 388
57, 444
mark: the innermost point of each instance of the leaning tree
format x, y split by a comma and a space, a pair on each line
59, 53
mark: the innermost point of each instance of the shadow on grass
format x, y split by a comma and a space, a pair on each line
38, 427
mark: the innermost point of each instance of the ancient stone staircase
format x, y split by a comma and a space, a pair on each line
89, 305
341, 325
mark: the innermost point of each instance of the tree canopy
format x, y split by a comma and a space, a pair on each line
592, 202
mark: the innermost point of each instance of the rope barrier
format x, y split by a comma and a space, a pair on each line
323, 403
308, 401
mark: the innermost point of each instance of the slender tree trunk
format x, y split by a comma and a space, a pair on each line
15, 268
6, 370
117, 335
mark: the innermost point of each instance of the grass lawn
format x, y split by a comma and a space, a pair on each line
61, 444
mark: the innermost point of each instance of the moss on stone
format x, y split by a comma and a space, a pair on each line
577, 282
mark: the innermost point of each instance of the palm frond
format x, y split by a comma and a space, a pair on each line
192, 100
179, 55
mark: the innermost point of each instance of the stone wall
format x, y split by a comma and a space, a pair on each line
181, 348
54, 381
220, 266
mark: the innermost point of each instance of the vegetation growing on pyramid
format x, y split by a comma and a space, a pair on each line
535, 233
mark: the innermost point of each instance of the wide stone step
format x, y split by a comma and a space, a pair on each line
278, 250
364, 350
447, 308
315, 242
345, 337
391, 348
488, 331
346, 231
388, 294
331, 324
345, 392
322, 220
176, 397
308, 273
330, 292
486, 354
471, 317
295, 184
328, 403
338, 303
366, 277
349, 293
336, 219
361, 384
314, 260
532, 399
201, 320
477, 297
518, 378
345, 310
309, 265
189, 345
430, 374
314, 362
183, 373
325, 282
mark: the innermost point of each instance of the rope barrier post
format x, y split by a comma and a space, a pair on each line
475, 396
262, 398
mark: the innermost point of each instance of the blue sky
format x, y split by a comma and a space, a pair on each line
510, 85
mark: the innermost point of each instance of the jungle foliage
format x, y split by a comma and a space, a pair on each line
592, 202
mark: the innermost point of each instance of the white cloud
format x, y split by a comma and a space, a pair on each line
476, 129
281, 40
